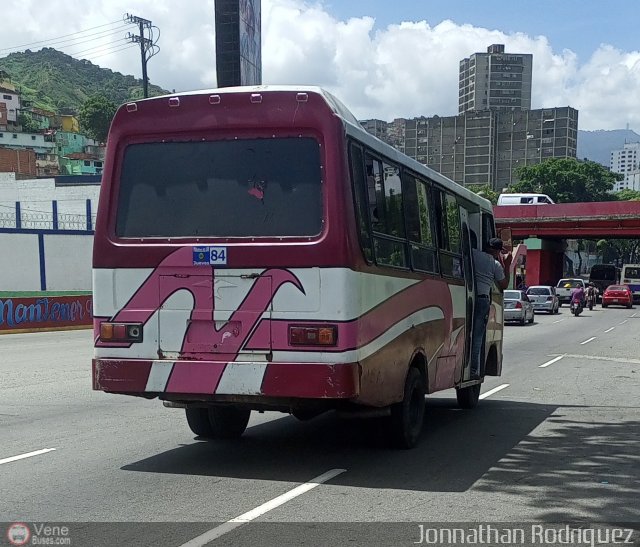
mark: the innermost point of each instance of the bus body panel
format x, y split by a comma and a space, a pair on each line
380, 320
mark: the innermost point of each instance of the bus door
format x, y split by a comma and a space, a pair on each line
469, 284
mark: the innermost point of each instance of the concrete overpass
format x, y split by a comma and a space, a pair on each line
545, 227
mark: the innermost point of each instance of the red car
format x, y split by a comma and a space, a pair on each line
617, 295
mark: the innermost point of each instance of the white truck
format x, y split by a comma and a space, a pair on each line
566, 286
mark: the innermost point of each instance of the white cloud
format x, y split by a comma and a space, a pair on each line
404, 70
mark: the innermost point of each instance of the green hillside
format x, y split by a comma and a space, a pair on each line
53, 80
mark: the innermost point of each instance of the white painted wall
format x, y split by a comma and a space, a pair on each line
68, 262
36, 196
19, 262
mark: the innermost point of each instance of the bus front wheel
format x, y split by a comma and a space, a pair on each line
407, 416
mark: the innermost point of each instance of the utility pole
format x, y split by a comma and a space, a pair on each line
148, 47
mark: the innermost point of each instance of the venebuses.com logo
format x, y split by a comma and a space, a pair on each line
18, 533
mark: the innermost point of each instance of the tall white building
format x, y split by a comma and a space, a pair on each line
627, 162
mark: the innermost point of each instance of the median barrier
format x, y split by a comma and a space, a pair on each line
33, 312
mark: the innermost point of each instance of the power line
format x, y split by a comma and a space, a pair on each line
129, 46
115, 43
70, 42
59, 37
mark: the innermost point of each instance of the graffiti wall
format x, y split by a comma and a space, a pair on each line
45, 313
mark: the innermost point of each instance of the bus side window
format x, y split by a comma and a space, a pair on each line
387, 219
449, 232
419, 213
359, 182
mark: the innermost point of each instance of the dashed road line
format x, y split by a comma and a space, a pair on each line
601, 358
623, 322
559, 320
494, 390
610, 329
587, 340
554, 360
27, 455
234, 523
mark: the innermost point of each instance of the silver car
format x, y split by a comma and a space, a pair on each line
517, 307
543, 298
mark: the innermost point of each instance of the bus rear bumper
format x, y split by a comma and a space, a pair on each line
212, 378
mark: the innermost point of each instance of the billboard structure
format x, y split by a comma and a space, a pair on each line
238, 42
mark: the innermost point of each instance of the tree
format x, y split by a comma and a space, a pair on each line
485, 191
628, 195
29, 125
96, 115
567, 180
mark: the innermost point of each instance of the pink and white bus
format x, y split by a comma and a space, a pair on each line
257, 249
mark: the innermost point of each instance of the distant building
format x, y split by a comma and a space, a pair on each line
9, 107
495, 80
484, 146
627, 163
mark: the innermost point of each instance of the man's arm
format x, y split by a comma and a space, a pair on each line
506, 267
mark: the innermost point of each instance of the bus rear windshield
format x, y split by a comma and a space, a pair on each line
226, 188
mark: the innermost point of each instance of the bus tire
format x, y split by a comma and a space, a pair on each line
407, 416
198, 420
468, 397
228, 422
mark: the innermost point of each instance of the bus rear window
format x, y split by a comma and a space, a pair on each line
227, 188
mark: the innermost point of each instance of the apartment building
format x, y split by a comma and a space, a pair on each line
627, 162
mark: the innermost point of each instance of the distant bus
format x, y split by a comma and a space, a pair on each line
631, 276
257, 249
603, 275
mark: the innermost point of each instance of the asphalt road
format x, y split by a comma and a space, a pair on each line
558, 442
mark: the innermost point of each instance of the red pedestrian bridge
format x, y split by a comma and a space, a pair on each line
545, 227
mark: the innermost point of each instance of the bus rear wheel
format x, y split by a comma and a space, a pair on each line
468, 396
218, 422
407, 416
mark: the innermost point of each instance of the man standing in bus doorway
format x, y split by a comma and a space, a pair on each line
490, 267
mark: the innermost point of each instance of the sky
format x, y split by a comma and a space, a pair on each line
383, 59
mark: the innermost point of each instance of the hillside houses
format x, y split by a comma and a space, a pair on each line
40, 143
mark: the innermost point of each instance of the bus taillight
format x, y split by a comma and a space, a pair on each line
313, 336
121, 332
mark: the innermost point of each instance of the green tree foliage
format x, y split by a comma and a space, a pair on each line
567, 180
28, 123
628, 195
621, 251
485, 191
96, 115
53, 80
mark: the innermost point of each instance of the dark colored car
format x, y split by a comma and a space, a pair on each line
617, 295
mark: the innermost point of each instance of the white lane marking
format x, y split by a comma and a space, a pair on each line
494, 390
609, 330
600, 358
218, 531
559, 320
623, 322
587, 340
634, 315
27, 455
554, 360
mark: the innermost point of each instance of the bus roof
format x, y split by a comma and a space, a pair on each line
352, 128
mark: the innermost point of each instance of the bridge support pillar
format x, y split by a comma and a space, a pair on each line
544, 260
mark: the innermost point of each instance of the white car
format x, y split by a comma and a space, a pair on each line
543, 298
517, 307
